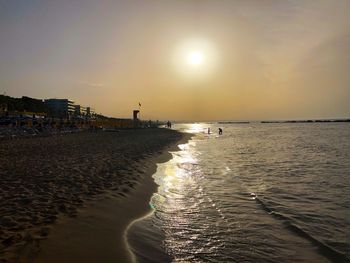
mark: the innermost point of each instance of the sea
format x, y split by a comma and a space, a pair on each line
260, 192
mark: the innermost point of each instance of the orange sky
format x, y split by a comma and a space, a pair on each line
262, 59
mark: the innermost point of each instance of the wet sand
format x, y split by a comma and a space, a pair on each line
69, 198
97, 234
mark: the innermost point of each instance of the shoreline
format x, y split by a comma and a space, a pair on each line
97, 234
48, 181
76, 239
165, 157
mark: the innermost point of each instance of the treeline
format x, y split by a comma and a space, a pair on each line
23, 104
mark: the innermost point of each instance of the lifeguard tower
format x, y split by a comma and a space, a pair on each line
136, 119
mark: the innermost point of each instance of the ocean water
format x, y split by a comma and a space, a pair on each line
257, 193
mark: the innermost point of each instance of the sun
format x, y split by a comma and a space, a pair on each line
195, 58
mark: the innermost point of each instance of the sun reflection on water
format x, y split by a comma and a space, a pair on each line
175, 177
194, 128
177, 202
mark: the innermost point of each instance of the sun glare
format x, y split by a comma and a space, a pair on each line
195, 58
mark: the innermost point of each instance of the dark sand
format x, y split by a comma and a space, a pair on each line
91, 185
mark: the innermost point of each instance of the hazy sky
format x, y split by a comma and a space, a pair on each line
262, 59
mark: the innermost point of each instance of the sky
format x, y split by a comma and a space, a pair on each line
260, 59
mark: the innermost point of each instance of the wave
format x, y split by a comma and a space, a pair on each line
324, 249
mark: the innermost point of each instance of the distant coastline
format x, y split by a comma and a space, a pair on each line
308, 121
286, 121
233, 122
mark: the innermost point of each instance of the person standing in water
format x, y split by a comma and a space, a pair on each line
220, 131
208, 130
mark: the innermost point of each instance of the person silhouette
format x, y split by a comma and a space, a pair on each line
208, 130
220, 131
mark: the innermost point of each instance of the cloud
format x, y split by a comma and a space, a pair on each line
92, 84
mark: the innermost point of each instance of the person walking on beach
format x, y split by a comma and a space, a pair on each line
208, 130
220, 131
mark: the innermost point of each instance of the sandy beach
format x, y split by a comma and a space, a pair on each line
74, 190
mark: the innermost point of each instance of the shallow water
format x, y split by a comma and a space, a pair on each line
258, 193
